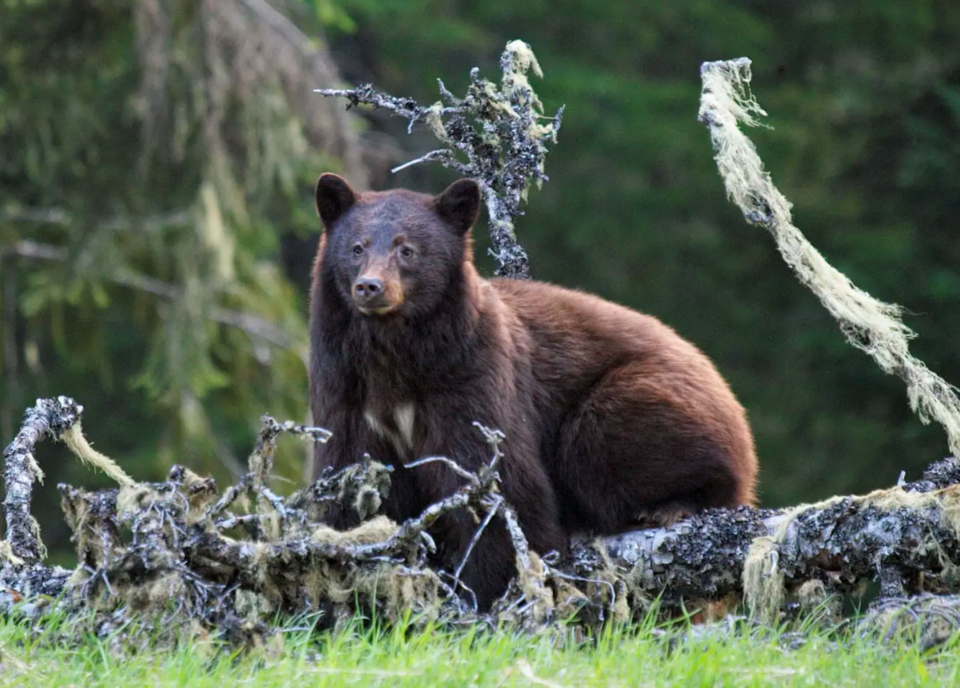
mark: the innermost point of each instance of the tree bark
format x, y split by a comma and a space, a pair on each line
904, 538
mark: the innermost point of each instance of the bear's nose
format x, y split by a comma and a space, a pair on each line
368, 288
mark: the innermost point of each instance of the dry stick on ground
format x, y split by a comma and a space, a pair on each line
501, 131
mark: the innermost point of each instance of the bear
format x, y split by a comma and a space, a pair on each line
612, 420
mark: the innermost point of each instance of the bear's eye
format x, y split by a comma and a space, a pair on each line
358, 249
406, 252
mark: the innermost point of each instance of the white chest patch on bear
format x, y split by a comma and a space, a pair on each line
398, 430
405, 414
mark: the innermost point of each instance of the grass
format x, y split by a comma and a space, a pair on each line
402, 657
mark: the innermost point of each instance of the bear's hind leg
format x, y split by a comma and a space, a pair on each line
641, 450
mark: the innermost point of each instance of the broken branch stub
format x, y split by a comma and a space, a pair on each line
497, 135
47, 418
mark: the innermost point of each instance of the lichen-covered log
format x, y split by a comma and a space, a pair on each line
906, 538
142, 546
698, 558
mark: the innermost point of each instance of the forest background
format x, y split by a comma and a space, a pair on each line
157, 161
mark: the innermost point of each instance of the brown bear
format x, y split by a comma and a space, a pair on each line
611, 419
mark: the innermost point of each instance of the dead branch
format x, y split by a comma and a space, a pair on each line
48, 418
143, 546
500, 131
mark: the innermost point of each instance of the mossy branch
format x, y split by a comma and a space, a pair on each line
868, 324
497, 135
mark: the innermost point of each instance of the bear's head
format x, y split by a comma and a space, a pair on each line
394, 252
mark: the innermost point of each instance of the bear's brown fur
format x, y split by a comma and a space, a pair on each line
611, 419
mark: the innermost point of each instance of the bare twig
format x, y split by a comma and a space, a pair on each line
452, 465
491, 512
260, 466
432, 155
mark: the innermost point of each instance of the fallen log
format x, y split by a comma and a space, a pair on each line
144, 544
905, 538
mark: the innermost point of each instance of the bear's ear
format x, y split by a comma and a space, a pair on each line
334, 197
460, 204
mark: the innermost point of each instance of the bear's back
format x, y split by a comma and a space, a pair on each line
578, 338
578, 335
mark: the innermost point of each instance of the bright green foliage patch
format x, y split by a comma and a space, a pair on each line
635, 657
